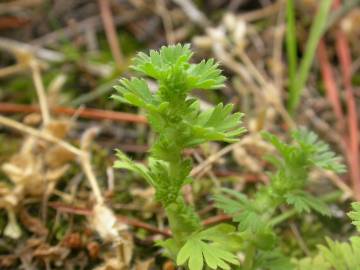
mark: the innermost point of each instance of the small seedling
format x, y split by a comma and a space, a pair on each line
258, 216
179, 123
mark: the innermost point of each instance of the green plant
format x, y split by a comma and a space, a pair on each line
258, 216
179, 123
337, 255
301, 74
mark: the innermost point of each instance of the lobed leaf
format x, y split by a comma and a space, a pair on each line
305, 202
342, 256
158, 64
241, 209
124, 162
134, 91
217, 124
205, 75
355, 215
208, 247
319, 153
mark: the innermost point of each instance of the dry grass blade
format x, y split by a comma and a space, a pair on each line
193, 12
110, 31
38, 134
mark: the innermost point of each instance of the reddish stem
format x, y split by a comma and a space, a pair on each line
130, 221
84, 113
332, 91
344, 56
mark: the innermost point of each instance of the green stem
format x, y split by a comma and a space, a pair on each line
183, 220
249, 257
291, 45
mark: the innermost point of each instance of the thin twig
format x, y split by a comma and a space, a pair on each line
216, 219
84, 113
39, 134
11, 70
277, 50
299, 238
18, 5
110, 31
214, 157
261, 13
130, 221
85, 161
272, 94
166, 19
94, 22
193, 12
15, 46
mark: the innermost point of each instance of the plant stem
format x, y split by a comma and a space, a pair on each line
249, 257
181, 226
291, 45
183, 220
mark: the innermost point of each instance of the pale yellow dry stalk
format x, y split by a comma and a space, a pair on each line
85, 160
40, 90
5, 121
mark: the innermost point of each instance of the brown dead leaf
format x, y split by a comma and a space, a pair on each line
120, 258
32, 119
112, 264
126, 248
37, 248
7, 261
93, 249
169, 265
58, 128
51, 253
73, 240
58, 156
144, 265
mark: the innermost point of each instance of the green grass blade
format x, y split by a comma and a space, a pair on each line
316, 32
291, 44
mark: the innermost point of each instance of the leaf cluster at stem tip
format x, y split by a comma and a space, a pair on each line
176, 117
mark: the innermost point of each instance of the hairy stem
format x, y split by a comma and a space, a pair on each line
183, 220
